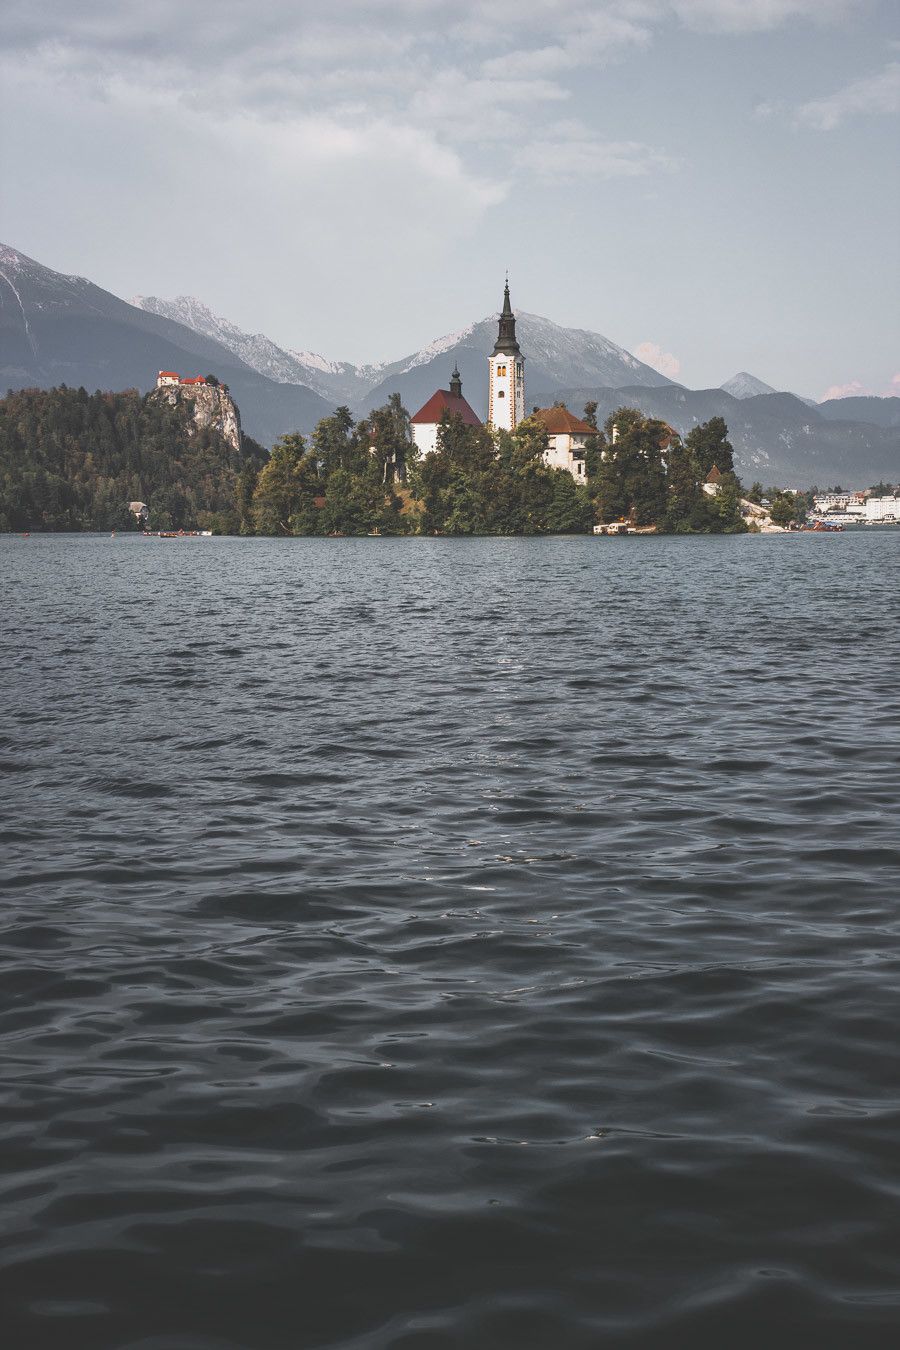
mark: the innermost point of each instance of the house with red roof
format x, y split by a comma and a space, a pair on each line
713, 486
169, 377
427, 420
567, 440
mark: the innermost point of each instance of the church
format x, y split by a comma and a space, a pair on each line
506, 404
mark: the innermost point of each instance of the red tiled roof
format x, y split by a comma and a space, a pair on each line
172, 374
560, 422
442, 401
193, 379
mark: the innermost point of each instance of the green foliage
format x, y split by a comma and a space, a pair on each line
709, 445
756, 493
630, 480
285, 492
70, 460
686, 502
343, 483
723, 511
476, 483
783, 507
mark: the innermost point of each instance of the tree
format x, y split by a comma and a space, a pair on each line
709, 445
570, 509
630, 479
335, 446
285, 489
686, 510
243, 494
782, 507
723, 510
354, 503
389, 440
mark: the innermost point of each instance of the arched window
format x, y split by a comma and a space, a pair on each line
501, 393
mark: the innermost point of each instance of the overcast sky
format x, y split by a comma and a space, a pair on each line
711, 183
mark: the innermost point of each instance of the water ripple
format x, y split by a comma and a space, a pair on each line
446, 943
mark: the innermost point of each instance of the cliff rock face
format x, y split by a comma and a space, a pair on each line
213, 407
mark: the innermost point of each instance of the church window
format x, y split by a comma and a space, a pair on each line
501, 393
501, 370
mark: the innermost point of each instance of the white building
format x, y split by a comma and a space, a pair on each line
882, 508
167, 377
567, 440
425, 424
713, 485
506, 393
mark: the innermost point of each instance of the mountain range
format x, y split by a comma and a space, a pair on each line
554, 355
56, 329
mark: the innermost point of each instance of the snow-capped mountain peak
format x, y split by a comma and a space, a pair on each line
745, 385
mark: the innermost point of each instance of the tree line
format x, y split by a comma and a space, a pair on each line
359, 478
70, 460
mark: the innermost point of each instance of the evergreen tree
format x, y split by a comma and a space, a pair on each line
70, 460
283, 500
709, 445
335, 446
685, 500
630, 482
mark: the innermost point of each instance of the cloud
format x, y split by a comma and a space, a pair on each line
754, 16
653, 355
848, 390
568, 151
878, 93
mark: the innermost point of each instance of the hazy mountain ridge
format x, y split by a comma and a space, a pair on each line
58, 329
553, 354
881, 412
777, 437
333, 380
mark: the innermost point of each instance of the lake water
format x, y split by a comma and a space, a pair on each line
450, 943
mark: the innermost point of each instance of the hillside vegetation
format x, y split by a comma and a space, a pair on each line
70, 460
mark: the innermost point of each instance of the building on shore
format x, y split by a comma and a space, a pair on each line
882, 508
426, 422
567, 440
713, 485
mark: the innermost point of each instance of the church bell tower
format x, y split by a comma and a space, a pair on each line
506, 397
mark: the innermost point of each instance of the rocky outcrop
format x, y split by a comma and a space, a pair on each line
213, 407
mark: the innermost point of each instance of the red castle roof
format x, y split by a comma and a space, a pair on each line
442, 401
193, 379
172, 374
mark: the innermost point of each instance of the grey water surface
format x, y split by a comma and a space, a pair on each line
450, 943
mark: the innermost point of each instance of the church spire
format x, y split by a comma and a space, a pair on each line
506, 334
456, 383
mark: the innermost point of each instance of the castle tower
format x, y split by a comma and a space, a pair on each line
506, 396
